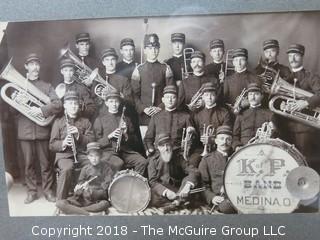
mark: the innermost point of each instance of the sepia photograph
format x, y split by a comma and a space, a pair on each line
172, 115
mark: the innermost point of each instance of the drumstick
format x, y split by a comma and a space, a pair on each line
196, 190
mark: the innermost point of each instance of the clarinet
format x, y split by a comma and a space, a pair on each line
120, 137
73, 143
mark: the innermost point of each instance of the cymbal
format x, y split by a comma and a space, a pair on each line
303, 183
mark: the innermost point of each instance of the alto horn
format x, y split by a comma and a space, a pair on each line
285, 98
24, 95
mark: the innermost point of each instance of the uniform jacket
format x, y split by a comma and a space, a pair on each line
27, 129
176, 63
126, 69
171, 123
142, 77
234, 84
163, 175
214, 69
106, 123
59, 133
211, 169
247, 123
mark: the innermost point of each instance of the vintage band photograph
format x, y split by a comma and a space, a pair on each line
175, 115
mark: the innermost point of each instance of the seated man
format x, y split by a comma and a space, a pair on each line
69, 137
115, 133
212, 168
170, 177
90, 194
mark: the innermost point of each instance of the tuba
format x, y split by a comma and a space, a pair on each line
285, 96
23, 95
207, 132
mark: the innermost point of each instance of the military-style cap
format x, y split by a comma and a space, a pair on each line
170, 89
271, 43
240, 52
163, 138
178, 37
254, 87
93, 146
112, 93
151, 40
127, 41
32, 57
82, 37
208, 87
216, 43
109, 52
66, 62
198, 54
224, 129
296, 48
71, 95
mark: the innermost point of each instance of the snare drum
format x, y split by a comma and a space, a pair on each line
129, 192
255, 177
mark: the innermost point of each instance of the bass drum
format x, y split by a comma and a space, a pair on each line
255, 177
129, 192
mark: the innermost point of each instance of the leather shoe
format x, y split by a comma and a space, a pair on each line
50, 197
30, 198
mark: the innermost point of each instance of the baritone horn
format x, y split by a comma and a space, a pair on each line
207, 132
285, 97
23, 95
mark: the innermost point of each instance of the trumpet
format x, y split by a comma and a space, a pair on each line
25, 95
196, 97
119, 139
73, 143
207, 132
186, 142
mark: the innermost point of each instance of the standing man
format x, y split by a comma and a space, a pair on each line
149, 79
34, 139
128, 64
217, 67
176, 63
212, 169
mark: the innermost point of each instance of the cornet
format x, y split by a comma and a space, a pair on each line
196, 97
237, 104
207, 132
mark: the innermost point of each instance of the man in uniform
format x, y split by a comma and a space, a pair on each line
114, 131
70, 135
128, 64
234, 84
217, 67
149, 79
190, 86
305, 138
170, 177
34, 138
176, 63
88, 107
271, 50
212, 168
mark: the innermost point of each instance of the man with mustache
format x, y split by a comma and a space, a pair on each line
305, 138
170, 176
149, 79
176, 62
34, 139
271, 50
212, 168
192, 83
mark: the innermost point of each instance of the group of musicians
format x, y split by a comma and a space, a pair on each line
186, 107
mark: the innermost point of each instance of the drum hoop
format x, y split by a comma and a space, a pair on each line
273, 141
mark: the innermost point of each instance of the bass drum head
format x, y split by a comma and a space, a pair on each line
255, 177
129, 192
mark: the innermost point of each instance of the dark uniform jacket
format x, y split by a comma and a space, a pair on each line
211, 169
142, 77
126, 69
59, 133
88, 107
176, 63
247, 123
284, 71
171, 123
191, 85
215, 69
106, 123
27, 129
170, 175
234, 84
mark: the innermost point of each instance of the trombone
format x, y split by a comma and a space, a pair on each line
185, 70
229, 62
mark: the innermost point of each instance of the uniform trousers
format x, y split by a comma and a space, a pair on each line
32, 150
72, 206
